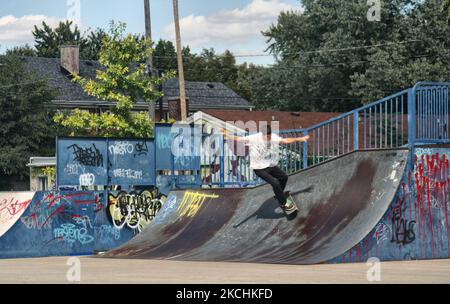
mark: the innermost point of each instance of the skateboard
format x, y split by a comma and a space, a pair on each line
290, 200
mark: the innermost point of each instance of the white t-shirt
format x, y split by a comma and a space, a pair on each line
263, 154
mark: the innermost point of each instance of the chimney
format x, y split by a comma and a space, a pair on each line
174, 107
70, 59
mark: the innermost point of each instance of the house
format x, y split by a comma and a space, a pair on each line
200, 95
40, 180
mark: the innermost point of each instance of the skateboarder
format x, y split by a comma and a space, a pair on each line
264, 161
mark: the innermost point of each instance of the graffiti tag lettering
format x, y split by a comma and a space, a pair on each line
191, 203
87, 179
141, 148
128, 173
402, 229
135, 210
89, 156
70, 233
121, 148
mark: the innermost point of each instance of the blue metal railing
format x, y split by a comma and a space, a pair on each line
416, 115
432, 111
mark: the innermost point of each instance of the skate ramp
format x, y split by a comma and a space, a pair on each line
12, 206
340, 202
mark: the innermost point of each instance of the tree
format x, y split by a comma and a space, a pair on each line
122, 80
446, 8
25, 50
401, 65
208, 66
26, 129
165, 56
338, 57
94, 41
48, 40
247, 79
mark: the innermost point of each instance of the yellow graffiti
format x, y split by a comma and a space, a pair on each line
191, 203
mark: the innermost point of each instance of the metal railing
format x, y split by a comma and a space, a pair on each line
416, 115
432, 111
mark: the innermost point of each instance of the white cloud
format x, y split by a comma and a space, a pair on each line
17, 30
229, 26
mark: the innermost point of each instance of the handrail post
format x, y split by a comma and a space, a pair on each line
355, 130
411, 124
221, 162
305, 151
411, 117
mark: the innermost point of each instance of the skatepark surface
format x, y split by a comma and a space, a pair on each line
116, 271
340, 202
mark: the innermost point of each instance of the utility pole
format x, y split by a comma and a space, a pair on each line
180, 62
148, 36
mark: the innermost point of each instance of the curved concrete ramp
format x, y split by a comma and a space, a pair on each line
340, 202
12, 206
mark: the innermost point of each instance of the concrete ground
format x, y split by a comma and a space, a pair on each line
96, 270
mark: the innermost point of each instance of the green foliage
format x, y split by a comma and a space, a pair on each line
425, 58
26, 128
446, 8
50, 172
323, 64
49, 40
94, 40
208, 66
165, 56
123, 81
24, 50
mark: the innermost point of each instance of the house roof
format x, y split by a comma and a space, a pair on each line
42, 162
200, 94
288, 120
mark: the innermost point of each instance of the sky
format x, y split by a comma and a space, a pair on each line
235, 25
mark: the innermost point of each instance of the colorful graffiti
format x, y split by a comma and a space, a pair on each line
108, 232
191, 203
71, 233
134, 210
416, 226
52, 206
86, 162
65, 223
12, 206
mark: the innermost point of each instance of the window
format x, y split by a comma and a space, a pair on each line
43, 183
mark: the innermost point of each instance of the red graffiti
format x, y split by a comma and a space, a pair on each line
13, 206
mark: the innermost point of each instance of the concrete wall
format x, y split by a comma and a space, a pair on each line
416, 226
73, 223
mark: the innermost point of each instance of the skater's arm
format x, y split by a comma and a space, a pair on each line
294, 140
233, 137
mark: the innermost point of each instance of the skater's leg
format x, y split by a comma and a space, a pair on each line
274, 182
280, 175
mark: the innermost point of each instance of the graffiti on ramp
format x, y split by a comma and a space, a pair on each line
12, 206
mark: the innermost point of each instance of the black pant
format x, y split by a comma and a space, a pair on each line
277, 179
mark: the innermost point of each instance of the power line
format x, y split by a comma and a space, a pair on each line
312, 52
356, 62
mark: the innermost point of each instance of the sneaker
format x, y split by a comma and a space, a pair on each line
289, 206
287, 194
